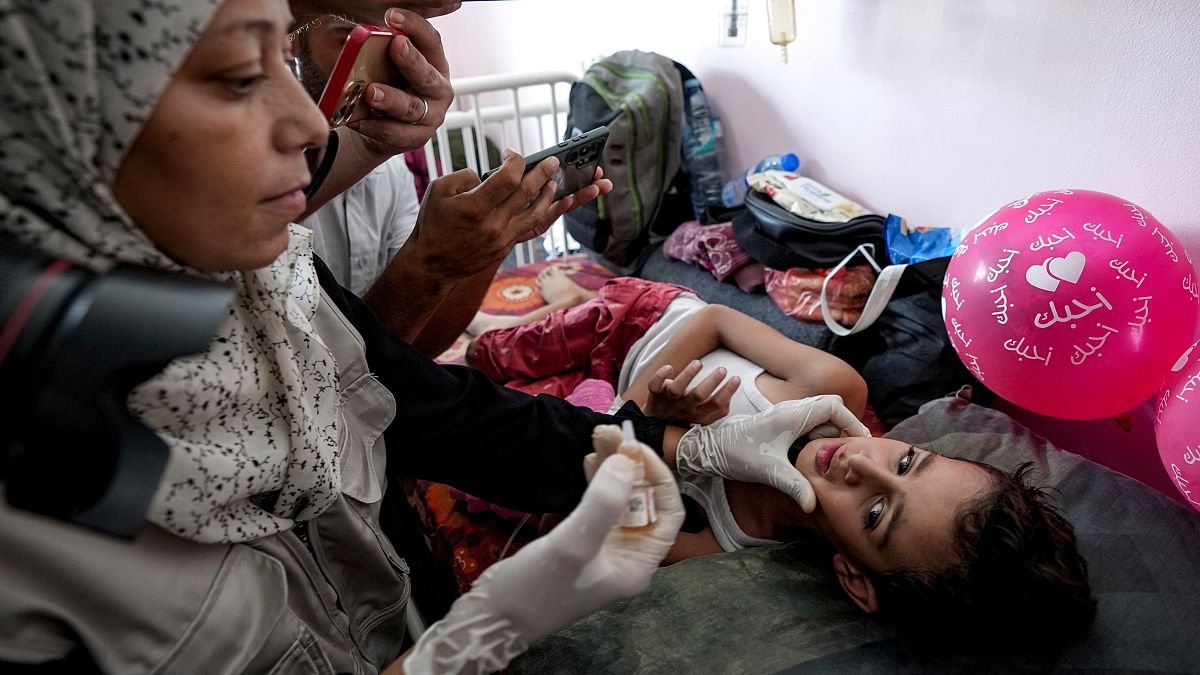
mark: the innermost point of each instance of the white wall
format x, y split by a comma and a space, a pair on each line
939, 110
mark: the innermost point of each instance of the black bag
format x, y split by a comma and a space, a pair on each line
781, 240
900, 344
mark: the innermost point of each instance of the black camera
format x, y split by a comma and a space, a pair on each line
73, 343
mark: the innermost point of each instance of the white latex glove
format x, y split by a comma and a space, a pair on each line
754, 448
583, 565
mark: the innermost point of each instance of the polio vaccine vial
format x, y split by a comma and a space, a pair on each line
639, 510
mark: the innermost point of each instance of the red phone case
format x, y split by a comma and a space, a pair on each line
364, 59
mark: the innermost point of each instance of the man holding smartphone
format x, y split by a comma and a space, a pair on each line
433, 286
357, 232
408, 117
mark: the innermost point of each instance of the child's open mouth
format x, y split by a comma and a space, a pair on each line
826, 452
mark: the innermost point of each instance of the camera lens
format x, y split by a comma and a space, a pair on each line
572, 156
29, 284
350, 96
73, 343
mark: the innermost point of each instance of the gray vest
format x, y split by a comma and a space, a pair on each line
168, 605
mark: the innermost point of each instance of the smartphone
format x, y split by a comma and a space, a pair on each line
577, 161
364, 59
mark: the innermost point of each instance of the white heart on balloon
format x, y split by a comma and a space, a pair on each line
1069, 267
1051, 271
1040, 278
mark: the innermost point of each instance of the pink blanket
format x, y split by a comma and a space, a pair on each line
713, 248
555, 355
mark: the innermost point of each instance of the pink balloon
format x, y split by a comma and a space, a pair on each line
1177, 425
1071, 303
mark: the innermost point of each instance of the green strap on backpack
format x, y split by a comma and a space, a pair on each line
639, 97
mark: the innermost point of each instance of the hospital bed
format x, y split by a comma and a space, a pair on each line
777, 609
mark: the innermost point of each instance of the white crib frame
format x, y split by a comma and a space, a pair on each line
520, 124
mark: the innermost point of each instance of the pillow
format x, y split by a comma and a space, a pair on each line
514, 291
778, 608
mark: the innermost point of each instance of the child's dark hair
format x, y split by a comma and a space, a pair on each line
1018, 573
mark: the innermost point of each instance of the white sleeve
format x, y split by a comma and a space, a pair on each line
402, 216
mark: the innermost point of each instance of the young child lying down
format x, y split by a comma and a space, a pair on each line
939, 541
636, 334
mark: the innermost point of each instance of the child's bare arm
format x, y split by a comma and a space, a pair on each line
793, 370
697, 337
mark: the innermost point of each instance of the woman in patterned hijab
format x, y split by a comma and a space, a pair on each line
92, 137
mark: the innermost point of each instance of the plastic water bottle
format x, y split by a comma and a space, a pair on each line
701, 148
734, 192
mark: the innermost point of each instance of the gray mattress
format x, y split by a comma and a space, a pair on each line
778, 608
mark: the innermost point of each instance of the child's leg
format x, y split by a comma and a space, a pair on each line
560, 339
792, 370
559, 291
484, 322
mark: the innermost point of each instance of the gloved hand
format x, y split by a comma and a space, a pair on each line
583, 565
754, 448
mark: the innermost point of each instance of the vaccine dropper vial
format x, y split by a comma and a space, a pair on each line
781, 21
639, 510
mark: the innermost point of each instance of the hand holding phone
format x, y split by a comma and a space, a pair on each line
364, 60
577, 161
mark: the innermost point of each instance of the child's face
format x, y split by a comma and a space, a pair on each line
218, 171
887, 504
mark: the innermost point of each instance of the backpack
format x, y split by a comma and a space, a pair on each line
639, 97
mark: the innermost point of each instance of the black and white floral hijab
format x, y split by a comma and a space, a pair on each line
252, 423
